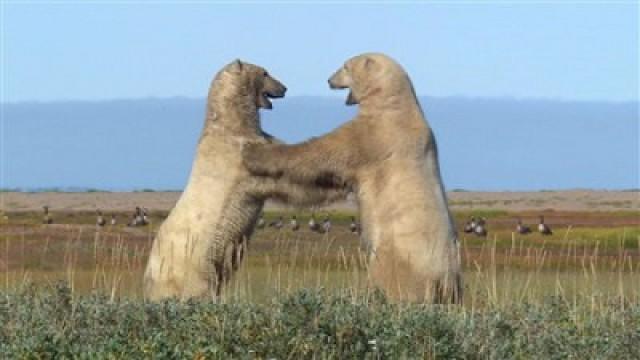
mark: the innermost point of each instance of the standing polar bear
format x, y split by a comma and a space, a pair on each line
388, 154
203, 240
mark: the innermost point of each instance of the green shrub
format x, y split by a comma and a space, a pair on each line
308, 324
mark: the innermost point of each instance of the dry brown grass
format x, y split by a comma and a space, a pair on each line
597, 261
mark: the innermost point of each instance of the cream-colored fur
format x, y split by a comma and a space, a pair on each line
389, 155
202, 241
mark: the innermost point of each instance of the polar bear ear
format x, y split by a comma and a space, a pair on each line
368, 63
236, 65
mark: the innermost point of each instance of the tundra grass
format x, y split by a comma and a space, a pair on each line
301, 294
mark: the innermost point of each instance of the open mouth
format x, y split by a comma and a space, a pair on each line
336, 87
265, 96
351, 100
273, 95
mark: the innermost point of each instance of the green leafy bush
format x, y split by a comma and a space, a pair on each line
308, 324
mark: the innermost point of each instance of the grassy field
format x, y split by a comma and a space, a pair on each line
584, 277
589, 253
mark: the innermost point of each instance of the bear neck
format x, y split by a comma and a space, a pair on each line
404, 101
235, 114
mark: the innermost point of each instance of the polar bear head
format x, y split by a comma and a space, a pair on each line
371, 76
242, 80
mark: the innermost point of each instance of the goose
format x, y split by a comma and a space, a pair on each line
522, 229
473, 222
145, 218
326, 224
294, 223
470, 225
136, 220
543, 228
100, 221
354, 226
313, 224
480, 229
46, 219
277, 223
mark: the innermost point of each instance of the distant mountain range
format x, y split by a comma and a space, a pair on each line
485, 144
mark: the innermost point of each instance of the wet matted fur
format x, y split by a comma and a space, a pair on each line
203, 240
388, 154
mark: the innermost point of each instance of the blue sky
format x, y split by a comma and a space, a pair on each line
74, 51
582, 57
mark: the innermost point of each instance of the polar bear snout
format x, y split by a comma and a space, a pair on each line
271, 89
274, 88
342, 80
334, 86
339, 80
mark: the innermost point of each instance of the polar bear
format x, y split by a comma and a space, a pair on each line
388, 154
202, 241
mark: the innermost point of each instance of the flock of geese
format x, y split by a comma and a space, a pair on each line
322, 227
478, 227
140, 217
